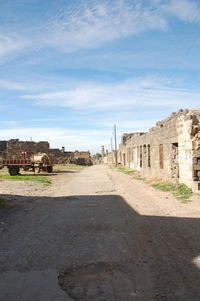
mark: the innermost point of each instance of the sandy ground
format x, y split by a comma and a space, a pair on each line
97, 234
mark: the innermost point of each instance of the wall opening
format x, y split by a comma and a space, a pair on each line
132, 154
140, 155
144, 155
174, 161
149, 155
129, 156
161, 159
124, 159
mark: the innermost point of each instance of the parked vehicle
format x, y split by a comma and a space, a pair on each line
34, 162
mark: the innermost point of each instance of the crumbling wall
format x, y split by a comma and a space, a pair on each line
3, 146
150, 153
170, 150
184, 126
60, 156
82, 154
14, 148
195, 136
189, 152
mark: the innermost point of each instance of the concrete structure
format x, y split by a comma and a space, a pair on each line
170, 150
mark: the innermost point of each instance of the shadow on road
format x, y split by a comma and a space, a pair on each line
47, 174
65, 171
104, 249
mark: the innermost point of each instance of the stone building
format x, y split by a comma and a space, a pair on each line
16, 149
82, 154
170, 150
12, 149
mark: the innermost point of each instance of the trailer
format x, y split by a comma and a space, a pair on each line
34, 162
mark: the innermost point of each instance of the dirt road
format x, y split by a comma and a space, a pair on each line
98, 235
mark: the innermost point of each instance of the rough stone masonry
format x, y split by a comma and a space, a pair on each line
169, 151
14, 149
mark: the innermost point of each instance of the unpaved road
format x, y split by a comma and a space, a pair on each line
98, 235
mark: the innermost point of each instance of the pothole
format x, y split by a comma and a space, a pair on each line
96, 281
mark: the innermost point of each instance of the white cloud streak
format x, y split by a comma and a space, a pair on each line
10, 85
92, 26
57, 137
184, 10
89, 25
151, 91
11, 45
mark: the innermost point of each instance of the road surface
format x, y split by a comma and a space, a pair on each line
98, 235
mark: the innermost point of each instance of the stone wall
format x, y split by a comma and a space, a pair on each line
82, 154
14, 148
170, 150
3, 145
60, 156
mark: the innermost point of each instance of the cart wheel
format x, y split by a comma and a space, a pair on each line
49, 169
13, 170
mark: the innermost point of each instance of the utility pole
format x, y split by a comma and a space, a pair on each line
111, 144
115, 135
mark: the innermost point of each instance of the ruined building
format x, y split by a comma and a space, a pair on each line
15, 149
170, 150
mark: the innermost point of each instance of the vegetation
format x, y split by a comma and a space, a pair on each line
181, 191
164, 186
126, 171
35, 178
139, 178
135, 173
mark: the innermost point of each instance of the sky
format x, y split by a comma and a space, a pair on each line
71, 69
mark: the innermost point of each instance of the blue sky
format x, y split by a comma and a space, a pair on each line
70, 69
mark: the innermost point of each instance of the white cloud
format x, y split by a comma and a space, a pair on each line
10, 85
46, 119
10, 45
58, 137
91, 24
8, 122
133, 124
183, 9
150, 91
